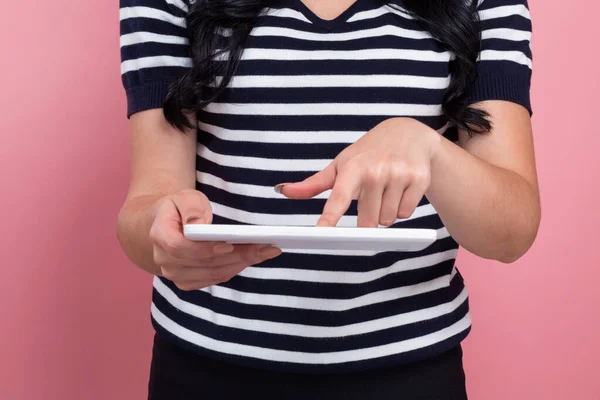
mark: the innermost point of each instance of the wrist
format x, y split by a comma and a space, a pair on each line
418, 132
436, 142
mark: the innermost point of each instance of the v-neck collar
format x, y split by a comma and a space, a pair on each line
329, 25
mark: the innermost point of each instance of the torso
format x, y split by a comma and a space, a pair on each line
307, 87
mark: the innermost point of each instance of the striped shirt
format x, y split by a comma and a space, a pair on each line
304, 90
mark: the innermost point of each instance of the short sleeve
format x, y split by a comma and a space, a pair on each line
154, 50
505, 63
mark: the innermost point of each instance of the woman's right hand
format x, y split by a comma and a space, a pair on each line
194, 265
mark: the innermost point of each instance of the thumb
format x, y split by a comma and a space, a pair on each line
193, 207
311, 186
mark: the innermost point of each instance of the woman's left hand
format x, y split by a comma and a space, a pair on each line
387, 170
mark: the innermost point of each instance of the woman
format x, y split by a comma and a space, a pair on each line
406, 114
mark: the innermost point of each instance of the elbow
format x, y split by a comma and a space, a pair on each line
510, 257
520, 240
120, 231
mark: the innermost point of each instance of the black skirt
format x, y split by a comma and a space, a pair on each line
179, 374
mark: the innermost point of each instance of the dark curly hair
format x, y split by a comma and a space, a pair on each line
454, 23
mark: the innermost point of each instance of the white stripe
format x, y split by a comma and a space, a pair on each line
340, 37
400, 9
310, 303
378, 12
154, 62
245, 217
282, 136
179, 4
282, 328
300, 81
514, 56
147, 12
286, 13
504, 11
442, 233
313, 109
242, 189
506, 34
150, 37
347, 277
366, 54
309, 358
266, 164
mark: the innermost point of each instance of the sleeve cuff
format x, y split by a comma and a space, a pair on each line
513, 88
146, 96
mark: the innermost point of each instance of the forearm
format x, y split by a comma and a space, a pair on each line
133, 229
490, 211
162, 163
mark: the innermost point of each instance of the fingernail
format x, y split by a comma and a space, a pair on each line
194, 220
223, 248
269, 252
279, 188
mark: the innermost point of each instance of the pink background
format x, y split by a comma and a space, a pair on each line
75, 312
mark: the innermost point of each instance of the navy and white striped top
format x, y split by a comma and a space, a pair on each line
305, 89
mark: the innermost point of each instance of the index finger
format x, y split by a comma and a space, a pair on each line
344, 191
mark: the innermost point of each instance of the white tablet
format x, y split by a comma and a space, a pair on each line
315, 238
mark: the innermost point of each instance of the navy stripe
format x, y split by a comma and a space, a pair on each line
152, 50
506, 45
342, 67
303, 344
349, 367
322, 290
356, 264
152, 75
271, 150
374, 42
133, 25
516, 22
319, 317
300, 123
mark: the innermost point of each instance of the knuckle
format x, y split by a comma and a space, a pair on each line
216, 275
154, 235
387, 219
338, 196
397, 170
421, 175
257, 255
404, 213
328, 216
402, 169
248, 257
173, 246
161, 259
209, 261
353, 164
169, 273
373, 174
